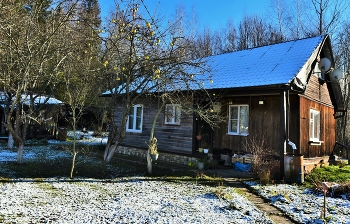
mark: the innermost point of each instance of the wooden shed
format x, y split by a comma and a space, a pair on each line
47, 111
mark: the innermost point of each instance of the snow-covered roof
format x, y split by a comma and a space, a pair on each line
42, 100
38, 100
275, 64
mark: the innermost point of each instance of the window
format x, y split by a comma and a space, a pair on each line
314, 126
172, 114
238, 120
134, 123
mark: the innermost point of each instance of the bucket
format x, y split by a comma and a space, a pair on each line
294, 168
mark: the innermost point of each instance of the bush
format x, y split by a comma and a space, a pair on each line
336, 174
330, 174
263, 155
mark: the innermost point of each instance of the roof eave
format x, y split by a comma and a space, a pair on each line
252, 90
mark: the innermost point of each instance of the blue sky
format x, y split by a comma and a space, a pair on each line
210, 13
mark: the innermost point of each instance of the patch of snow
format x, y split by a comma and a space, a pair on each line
11, 155
31, 153
43, 99
6, 155
88, 137
124, 200
304, 205
145, 200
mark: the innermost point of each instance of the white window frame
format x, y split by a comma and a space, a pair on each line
133, 114
315, 125
175, 117
244, 131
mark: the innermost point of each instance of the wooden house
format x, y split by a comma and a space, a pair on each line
279, 92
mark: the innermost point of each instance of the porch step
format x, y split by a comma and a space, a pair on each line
311, 163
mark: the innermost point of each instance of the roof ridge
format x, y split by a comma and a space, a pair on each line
283, 42
275, 64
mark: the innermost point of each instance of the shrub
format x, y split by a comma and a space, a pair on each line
336, 174
263, 157
330, 174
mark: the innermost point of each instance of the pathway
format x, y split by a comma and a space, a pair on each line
235, 179
275, 214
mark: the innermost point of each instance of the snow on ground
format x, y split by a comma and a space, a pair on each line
304, 205
127, 200
141, 200
88, 137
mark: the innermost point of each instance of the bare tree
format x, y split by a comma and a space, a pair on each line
253, 32
28, 34
79, 72
329, 14
308, 18
218, 43
281, 18
204, 44
230, 38
145, 59
343, 62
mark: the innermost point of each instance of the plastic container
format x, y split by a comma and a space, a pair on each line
294, 168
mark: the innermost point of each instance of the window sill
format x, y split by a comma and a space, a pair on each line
133, 131
237, 134
315, 142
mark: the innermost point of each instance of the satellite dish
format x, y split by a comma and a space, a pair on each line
324, 64
336, 75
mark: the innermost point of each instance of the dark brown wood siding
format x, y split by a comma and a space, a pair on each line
294, 124
263, 122
327, 129
317, 97
318, 91
171, 138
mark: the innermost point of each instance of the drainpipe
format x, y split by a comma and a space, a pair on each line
283, 129
294, 147
296, 165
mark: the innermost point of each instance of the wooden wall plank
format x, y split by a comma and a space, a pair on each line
327, 132
263, 123
171, 138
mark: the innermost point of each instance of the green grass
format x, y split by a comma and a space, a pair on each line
334, 173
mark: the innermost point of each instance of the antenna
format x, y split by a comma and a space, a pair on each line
324, 64
336, 75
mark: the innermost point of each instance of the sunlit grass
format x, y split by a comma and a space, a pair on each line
339, 174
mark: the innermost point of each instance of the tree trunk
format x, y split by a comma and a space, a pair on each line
73, 165
18, 133
10, 141
110, 153
20, 153
149, 162
149, 159
109, 150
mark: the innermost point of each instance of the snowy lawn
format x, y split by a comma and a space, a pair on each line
304, 205
120, 192
124, 197
122, 200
